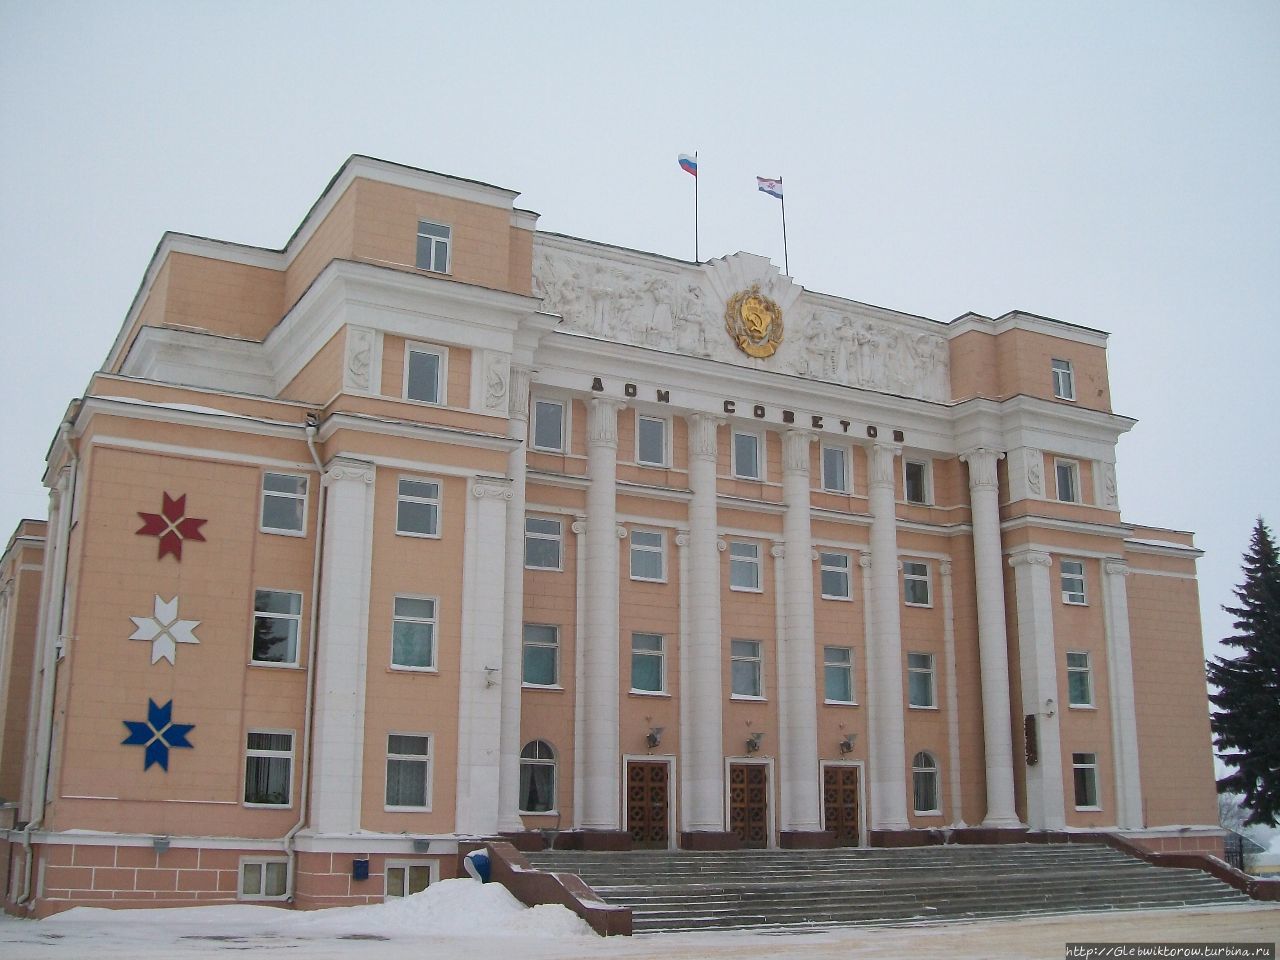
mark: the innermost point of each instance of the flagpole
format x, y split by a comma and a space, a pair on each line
695, 209
786, 265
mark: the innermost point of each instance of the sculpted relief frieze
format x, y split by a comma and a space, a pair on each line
682, 310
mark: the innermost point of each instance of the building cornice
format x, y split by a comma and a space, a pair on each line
1085, 527
1020, 320
365, 423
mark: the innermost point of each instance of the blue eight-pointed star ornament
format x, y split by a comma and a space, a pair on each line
159, 734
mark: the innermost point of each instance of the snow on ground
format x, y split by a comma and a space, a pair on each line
464, 920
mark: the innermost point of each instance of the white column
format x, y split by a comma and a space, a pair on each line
481, 657
953, 694
342, 647
885, 720
601, 755
579, 530
798, 711
1038, 662
513, 620
992, 650
681, 648
702, 650
1124, 720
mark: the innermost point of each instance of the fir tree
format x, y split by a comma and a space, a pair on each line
1246, 725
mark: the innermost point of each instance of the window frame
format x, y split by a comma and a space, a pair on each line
428, 772
930, 672
846, 571
433, 620
1087, 672
525, 643
1089, 769
757, 660
660, 550
433, 876
926, 578
1064, 379
919, 772
926, 481
262, 863
437, 502
296, 618
301, 531
435, 242
1068, 595
846, 667
753, 561
846, 471
759, 457
530, 762
1073, 472
566, 407
660, 653
262, 752
665, 461
558, 539
441, 354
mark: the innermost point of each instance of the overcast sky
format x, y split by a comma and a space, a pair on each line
1112, 165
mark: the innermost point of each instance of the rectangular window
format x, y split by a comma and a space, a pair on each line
835, 469
408, 771
542, 543
647, 555
837, 674
549, 426
834, 568
413, 633
433, 246
920, 680
277, 618
915, 583
746, 456
745, 667
1068, 474
424, 374
268, 768
915, 481
744, 566
1079, 680
647, 674
1064, 380
651, 441
541, 655
1084, 768
264, 879
1072, 572
284, 503
417, 508
406, 879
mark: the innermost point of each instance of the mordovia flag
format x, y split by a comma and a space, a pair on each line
689, 164
772, 187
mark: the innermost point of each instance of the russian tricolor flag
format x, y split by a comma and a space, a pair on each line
689, 164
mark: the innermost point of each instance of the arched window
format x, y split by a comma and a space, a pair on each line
537, 777
924, 783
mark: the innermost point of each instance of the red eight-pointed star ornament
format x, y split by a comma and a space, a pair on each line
171, 526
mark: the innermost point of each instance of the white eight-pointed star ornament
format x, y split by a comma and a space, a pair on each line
164, 630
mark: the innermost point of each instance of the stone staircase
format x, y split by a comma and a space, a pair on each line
680, 890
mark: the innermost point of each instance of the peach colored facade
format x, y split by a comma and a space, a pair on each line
430, 526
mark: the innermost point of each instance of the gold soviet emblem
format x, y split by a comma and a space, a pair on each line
754, 321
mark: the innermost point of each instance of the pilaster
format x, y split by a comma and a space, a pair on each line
1124, 721
953, 694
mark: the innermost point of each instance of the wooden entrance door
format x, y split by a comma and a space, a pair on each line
749, 803
841, 804
648, 803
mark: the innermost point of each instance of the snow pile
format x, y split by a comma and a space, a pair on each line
449, 908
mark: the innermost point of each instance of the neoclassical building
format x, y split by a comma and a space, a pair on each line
431, 526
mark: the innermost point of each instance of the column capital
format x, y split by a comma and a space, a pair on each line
702, 435
778, 551
1030, 557
579, 527
982, 466
1115, 567
944, 568
342, 469
602, 422
682, 538
795, 450
881, 464
498, 488
864, 561
518, 395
